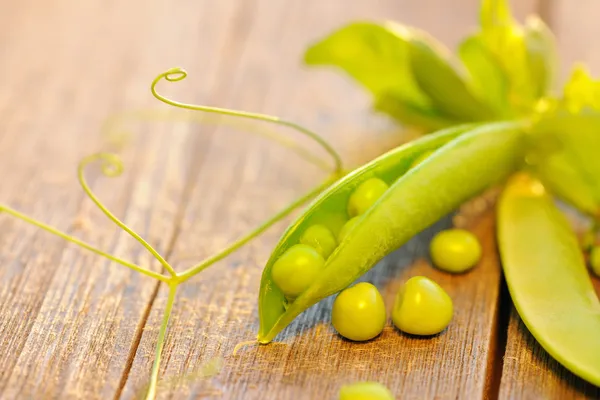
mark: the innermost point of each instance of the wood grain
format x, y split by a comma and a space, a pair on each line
75, 326
528, 371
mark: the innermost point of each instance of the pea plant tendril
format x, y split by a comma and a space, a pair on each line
112, 166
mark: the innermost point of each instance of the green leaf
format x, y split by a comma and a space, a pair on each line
505, 39
541, 55
375, 56
494, 13
581, 91
427, 119
430, 63
564, 181
575, 163
488, 78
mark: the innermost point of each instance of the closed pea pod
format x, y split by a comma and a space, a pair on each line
464, 164
547, 278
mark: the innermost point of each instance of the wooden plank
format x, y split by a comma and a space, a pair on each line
528, 371
69, 320
239, 185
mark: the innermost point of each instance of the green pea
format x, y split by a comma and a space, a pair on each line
421, 158
422, 307
296, 269
468, 160
365, 391
365, 195
359, 312
595, 260
321, 238
455, 250
347, 228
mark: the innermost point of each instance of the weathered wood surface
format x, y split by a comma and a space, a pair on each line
75, 326
528, 371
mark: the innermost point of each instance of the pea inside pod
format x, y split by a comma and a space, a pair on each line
547, 277
467, 160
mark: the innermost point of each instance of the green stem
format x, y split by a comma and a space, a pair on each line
178, 74
187, 274
112, 167
81, 243
161, 341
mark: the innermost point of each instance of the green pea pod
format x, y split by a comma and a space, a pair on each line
489, 79
442, 83
541, 55
464, 164
547, 278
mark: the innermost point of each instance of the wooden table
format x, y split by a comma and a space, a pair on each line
73, 325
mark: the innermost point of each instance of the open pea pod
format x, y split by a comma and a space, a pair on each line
547, 278
464, 162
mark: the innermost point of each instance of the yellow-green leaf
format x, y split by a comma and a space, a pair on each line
488, 78
427, 119
581, 91
430, 63
541, 55
374, 55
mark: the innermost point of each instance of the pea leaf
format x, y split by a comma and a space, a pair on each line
374, 55
505, 39
581, 91
445, 85
380, 57
488, 78
407, 113
577, 138
541, 55
494, 14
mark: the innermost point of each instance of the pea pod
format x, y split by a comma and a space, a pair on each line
466, 162
547, 277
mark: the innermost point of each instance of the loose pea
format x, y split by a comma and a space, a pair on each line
365, 391
455, 250
296, 269
421, 158
365, 195
359, 312
422, 307
320, 238
347, 228
595, 260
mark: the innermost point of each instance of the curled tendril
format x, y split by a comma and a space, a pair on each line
178, 74
112, 166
